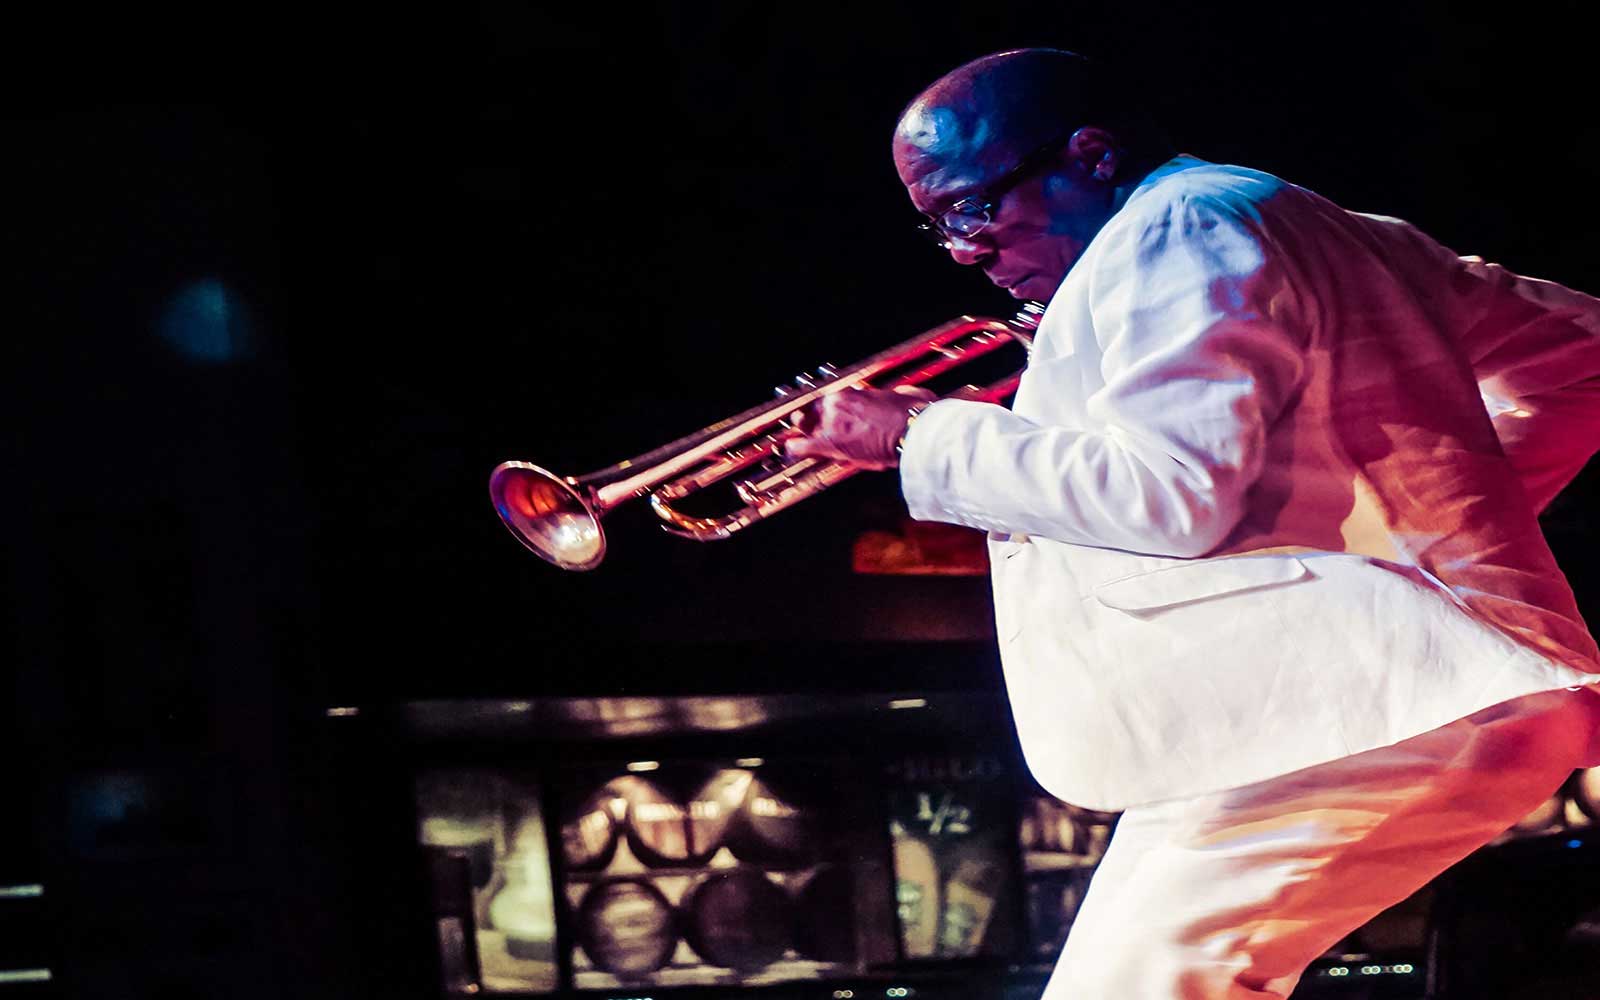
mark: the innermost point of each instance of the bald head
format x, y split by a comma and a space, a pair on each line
999, 104
1019, 158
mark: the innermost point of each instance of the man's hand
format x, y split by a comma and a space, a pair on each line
861, 426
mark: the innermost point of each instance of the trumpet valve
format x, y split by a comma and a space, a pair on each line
811, 380
747, 492
758, 491
783, 392
779, 477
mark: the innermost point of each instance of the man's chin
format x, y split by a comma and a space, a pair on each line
1034, 287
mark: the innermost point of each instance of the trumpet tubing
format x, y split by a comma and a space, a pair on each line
558, 518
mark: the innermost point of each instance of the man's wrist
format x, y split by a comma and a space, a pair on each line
912, 412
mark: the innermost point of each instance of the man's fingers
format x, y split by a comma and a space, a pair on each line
799, 448
919, 391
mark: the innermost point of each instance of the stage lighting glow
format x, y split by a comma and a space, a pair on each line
12, 976
205, 323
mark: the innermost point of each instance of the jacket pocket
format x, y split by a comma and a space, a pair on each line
1188, 582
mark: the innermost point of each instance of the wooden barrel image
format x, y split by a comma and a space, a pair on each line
738, 919
825, 925
657, 824
681, 820
714, 807
627, 928
589, 833
1049, 826
777, 823
1543, 818
1586, 792
1094, 828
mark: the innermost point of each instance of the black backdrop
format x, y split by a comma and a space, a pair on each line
570, 233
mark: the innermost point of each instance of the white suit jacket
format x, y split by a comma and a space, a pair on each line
1249, 511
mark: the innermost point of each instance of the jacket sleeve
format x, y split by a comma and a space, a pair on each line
1202, 347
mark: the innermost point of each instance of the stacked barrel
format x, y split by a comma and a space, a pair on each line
704, 875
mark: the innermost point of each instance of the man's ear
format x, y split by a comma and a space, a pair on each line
1096, 152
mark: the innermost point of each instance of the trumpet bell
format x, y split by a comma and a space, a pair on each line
548, 514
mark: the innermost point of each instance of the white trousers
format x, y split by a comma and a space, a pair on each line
1231, 895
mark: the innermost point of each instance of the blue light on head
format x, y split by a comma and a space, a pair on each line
205, 323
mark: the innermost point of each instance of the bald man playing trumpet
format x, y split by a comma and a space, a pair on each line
1268, 575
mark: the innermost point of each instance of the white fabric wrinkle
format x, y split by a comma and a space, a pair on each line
1266, 326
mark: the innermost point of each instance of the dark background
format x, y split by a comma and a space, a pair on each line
289, 280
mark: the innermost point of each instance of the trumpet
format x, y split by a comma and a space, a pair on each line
558, 517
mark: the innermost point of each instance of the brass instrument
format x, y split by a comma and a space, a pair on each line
558, 517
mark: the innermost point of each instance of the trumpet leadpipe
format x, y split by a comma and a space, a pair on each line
729, 463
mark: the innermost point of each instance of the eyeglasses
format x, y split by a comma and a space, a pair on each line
972, 214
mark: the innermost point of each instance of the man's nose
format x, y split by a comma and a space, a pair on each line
967, 250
